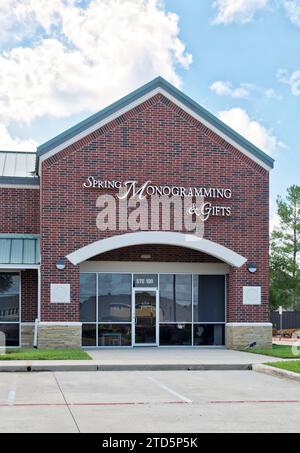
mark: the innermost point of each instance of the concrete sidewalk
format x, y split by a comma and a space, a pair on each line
146, 359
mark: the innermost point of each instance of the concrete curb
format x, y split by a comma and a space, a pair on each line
32, 366
277, 372
175, 367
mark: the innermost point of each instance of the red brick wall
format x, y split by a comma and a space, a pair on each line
19, 210
159, 142
159, 253
29, 295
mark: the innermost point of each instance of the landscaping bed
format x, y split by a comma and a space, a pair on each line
44, 354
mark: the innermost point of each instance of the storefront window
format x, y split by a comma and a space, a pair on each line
175, 334
9, 334
9, 308
208, 334
209, 298
9, 297
89, 335
88, 297
191, 309
114, 335
175, 298
114, 297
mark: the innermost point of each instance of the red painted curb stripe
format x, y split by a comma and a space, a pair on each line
255, 402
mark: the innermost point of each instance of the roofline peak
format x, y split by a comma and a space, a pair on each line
110, 112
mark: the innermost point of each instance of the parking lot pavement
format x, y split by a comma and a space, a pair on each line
156, 401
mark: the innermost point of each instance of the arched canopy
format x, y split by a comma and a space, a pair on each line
157, 237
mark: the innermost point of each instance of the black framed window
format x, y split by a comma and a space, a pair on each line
209, 334
9, 297
114, 297
209, 298
88, 296
114, 335
175, 334
89, 334
175, 298
9, 334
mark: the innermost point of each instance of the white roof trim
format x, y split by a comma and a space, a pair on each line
157, 237
19, 186
138, 102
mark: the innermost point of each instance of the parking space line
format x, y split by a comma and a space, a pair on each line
168, 389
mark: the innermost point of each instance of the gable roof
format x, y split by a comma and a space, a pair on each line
158, 85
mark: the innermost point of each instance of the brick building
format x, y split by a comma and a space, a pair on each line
146, 224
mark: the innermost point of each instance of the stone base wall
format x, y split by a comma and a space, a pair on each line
27, 335
240, 335
59, 336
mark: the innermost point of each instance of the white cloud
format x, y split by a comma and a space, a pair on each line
293, 80
271, 94
226, 89
82, 59
8, 143
239, 120
292, 8
274, 221
240, 11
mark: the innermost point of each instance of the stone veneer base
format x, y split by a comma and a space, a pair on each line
59, 335
240, 335
68, 335
27, 335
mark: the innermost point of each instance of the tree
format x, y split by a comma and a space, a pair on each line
5, 282
285, 251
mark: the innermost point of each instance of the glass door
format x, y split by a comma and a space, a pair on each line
145, 319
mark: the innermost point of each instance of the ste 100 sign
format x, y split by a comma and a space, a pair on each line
145, 280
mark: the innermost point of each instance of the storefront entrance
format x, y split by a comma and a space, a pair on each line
147, 309
145, 317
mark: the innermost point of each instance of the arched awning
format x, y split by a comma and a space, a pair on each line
157, 237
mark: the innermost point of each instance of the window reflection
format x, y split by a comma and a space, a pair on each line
114, 297
9, 297
114, 325
114, 335
208, 334
88, 297
9, 334
175, 298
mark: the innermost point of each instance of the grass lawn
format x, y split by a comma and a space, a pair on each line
282, 351
290, 366
45, 354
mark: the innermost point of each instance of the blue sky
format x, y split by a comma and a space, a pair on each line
252, 53
63, 60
